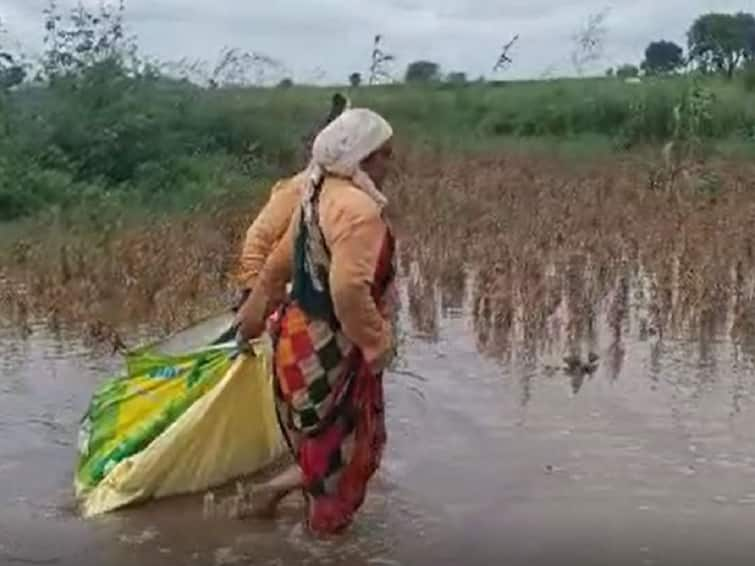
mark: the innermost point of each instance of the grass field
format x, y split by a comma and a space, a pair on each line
540, 232
96, 145
131, 196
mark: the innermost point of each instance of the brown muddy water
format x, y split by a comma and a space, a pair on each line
492, 459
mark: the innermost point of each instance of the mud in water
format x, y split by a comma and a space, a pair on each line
642, 453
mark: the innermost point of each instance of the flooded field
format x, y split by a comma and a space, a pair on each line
497, 454
575, 383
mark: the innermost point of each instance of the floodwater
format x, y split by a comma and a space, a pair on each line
491, 459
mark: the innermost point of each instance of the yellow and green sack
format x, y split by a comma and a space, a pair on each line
176, 424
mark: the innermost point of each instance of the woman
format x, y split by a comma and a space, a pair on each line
271, 223
333, 337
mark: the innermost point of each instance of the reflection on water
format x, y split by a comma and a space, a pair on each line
581, 317
605, 406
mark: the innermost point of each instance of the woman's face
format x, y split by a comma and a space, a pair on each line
377, 164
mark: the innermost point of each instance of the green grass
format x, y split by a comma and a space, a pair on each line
559, 109
104, 143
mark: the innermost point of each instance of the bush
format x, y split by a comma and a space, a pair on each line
109, 137
748, 76
422, 72
628, 71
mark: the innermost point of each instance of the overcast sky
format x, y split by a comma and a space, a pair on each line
328, 39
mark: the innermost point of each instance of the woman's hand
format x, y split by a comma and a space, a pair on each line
379, 361
240, 300
251, 318
244, 346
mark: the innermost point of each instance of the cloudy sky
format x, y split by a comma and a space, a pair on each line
328, 39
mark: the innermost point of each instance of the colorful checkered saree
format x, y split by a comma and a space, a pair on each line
329, 403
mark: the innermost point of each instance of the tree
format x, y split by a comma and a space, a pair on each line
749, 76
457, 78
236, 67
662, 57
627, 71
286, 83
750, 41
504, 59
12, 73
610, 72
721, 42
422, 72
588, 41
355, 80
86, 38
380, 61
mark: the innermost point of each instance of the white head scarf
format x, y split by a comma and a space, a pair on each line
339, 149
343, 144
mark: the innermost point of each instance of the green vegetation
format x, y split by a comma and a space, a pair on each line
663, 57
422, 72
95, 128
107, 139
720, 42
628, 71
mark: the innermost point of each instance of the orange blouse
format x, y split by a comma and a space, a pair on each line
354, 231
268, 228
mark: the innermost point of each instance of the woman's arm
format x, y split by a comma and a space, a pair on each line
355, 237
266, 230
270, 288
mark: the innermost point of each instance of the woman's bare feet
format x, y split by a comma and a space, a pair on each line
261, 502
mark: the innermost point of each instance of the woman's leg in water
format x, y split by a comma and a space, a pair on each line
266, 497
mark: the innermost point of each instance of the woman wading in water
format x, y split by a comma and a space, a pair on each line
271, 223
333, 335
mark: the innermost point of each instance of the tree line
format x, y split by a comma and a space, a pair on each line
716, 43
